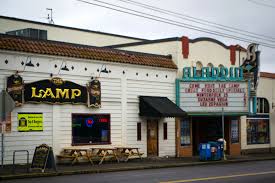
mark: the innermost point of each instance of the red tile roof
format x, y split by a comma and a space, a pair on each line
267, 75
15, 43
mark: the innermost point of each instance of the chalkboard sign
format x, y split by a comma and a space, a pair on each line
43, 158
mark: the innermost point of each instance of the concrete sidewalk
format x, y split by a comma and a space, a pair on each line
146, 163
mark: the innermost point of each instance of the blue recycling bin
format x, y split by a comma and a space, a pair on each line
216, 150
205, 152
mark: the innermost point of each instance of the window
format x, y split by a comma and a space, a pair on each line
185, 138
164, 131
257, 130
234, 131
262, 105
29, 32
198, 68
138, 131
220, 66
90, 129
210, 65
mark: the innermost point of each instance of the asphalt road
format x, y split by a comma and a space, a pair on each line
252, 172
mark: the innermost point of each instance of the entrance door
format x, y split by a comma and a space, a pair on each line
152, 137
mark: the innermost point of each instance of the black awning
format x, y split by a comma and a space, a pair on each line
159, 107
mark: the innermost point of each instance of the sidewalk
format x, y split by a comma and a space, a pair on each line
146, 163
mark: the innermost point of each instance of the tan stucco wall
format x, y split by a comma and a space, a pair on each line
203, 51
65, 34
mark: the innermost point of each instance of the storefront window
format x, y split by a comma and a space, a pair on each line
90, 129
185, 138
234, 131
257, 131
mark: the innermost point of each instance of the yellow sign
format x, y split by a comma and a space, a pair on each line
30, 122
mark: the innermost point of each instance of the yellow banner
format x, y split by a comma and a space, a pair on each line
30, 122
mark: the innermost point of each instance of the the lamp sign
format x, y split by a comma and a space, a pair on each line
57, 91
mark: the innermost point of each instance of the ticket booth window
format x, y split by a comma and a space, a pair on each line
185, 138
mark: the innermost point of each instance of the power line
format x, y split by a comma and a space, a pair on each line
261, 4
171, 22
198, 20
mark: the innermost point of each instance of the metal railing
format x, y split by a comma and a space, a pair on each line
13, 160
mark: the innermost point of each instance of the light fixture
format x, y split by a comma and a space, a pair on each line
103, 70
65, 68
30, 64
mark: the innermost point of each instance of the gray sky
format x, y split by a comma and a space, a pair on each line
249, 15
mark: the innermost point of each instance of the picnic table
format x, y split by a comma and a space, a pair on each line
75, 154
126, 153
103, 153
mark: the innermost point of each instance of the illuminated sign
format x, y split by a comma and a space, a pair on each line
211, 97
89, 122
54, 91
214, 73
30, 122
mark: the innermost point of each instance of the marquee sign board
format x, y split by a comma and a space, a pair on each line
211, 97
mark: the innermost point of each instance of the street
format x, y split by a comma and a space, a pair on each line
252, 172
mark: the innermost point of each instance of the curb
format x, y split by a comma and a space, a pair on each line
125, 168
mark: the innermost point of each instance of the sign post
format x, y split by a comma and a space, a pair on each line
6, 106
224, 158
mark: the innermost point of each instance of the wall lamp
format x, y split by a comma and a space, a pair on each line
30, 64
103, 70
26, 63
65, 68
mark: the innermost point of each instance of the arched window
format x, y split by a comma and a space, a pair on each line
210, 65
262, 105
220, 66
198, 68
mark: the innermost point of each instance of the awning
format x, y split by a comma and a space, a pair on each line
159, 107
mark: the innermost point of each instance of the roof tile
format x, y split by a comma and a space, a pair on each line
15, 43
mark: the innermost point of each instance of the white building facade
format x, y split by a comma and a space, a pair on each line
129, 76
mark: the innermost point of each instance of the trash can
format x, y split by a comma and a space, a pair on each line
215, 150
205, 151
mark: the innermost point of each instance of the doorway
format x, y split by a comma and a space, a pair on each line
152, 137
207, 129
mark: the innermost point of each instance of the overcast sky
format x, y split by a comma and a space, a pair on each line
256, 16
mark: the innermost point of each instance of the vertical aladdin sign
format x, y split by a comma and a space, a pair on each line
211, 90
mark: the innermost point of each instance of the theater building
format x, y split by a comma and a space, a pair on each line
211, 83
65, 92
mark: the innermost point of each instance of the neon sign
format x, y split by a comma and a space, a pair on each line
89, 122
213, 74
